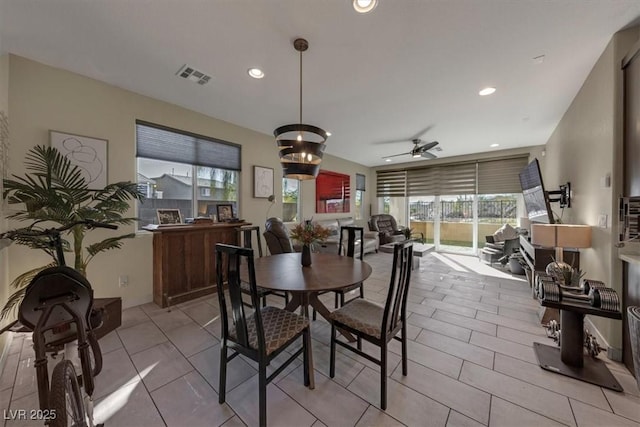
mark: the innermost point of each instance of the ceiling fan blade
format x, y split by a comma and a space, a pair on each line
422, 132
428, 146
428, 155
391, 142
396, 155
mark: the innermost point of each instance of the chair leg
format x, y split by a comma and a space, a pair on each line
262, 393
314, 314
223, 372
332, 357
383, 376
264, 301
341, 299
361, 290
359, 343
335, 304
404, 348
286, 298
306, 346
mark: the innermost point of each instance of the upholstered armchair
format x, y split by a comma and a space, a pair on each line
387, 228
276, 235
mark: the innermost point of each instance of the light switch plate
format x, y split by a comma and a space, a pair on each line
602, 220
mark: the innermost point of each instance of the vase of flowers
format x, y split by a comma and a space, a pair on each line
308, 234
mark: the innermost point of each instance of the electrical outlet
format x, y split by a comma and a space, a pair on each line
123, 281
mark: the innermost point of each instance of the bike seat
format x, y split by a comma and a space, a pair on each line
57, 287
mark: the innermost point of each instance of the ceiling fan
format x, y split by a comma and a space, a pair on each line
420, 150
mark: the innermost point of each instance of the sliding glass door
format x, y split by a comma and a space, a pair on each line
456, 224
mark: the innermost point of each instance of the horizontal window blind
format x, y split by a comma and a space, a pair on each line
161, 143
500, 176
391, 183
423, 182
361, 181
458, 179
442, 180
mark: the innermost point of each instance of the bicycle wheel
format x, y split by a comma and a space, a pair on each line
65, 398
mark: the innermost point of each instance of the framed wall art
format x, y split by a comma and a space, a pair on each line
262, 182
169, 216
89, 154
333, 192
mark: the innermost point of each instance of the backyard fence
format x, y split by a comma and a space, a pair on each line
492, 211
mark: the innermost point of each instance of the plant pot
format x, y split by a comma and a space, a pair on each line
305, 258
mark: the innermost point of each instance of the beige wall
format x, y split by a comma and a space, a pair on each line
4, 107
585, 147
44, 98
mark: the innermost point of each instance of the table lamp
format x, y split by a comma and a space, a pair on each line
560, 236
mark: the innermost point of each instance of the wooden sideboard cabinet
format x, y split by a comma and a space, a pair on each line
184, 265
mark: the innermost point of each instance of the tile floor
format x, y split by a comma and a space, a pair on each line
471, 363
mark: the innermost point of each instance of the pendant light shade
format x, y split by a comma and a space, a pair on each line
301, 145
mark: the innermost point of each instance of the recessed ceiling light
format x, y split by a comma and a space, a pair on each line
328, 133
256, 73
387, 160
364, 6
487, 91
494, 145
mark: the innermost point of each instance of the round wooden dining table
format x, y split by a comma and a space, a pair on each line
327, 272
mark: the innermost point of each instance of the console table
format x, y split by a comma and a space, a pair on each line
184, 265
569, 359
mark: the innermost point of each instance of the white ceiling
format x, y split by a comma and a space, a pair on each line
408, 66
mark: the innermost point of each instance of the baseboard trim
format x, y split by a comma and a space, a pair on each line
132, 302
613, 353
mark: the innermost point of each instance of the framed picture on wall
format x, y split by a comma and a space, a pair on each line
88, 153
333, 192
262, 182
169, 216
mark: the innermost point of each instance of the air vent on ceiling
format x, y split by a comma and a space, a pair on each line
190, 73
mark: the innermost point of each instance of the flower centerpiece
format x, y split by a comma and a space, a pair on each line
308, 233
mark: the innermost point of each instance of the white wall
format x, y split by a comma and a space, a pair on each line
43, 98
586, 146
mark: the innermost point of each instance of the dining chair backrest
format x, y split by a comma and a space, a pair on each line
245, 239
228, 267
352, 237
395, 308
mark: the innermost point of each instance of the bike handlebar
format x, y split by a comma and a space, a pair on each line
53, 231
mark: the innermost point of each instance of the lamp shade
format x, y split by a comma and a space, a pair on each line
561, 235
543, 235
573, 236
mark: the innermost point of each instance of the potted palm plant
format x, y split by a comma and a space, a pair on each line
53, 190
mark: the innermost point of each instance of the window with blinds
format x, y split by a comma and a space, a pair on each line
162, 143
184, 171
500, 176
391, 183
482, 177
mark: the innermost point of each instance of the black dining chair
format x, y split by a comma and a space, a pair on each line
350, 252
260, 335
245, 240
376, 324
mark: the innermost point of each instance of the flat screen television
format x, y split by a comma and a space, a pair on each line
536, 199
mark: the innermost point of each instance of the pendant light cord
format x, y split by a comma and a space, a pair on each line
300, 87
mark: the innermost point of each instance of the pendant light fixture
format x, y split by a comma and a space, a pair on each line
301, 145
